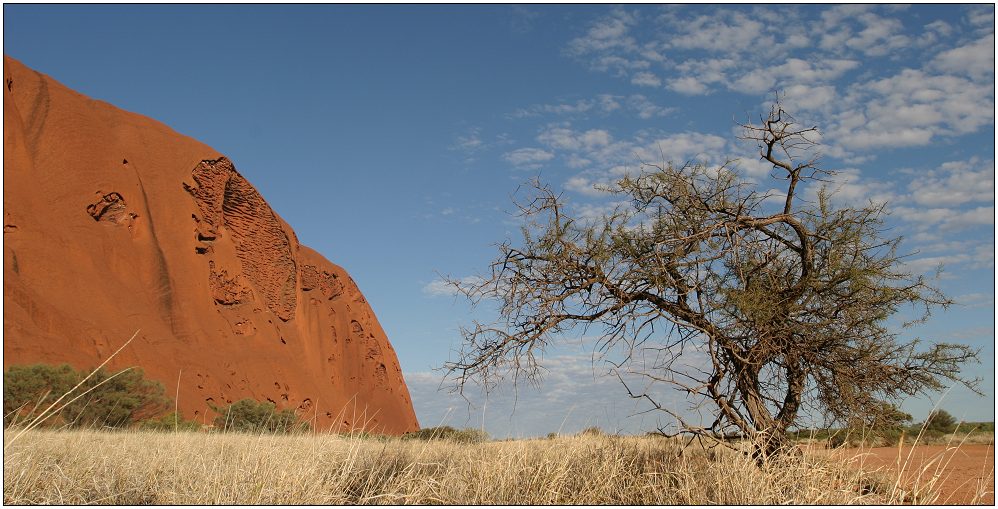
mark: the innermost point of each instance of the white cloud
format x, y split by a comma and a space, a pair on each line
688, 85
744, 51
608, 103
683, 147
470, 141
955, 183
582, 185
976, 59
947, 218
646, 79
976, 299
645, 108
801, 98
911, 108
609, 45
438, 288
563, 138
522, 19
441, 288
580, 106
601, 104
982, 256
793, 72
597, 211
940, 27
528, 157
754, 168
848, 187
982, 16
722, 32
858, 28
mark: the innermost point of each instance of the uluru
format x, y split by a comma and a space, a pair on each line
114, 223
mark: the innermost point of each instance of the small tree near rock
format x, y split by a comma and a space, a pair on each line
758, 303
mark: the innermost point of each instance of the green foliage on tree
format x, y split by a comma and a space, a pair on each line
252, 416
464, 436
104, 400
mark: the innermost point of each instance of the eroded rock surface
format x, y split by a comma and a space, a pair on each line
115, 223
226, 200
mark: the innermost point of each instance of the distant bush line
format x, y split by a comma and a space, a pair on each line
121, 400
464, 436
935, 428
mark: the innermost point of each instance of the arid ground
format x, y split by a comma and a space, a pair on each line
957, 473
961, 472
87, 467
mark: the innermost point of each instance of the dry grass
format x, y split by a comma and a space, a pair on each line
89, 467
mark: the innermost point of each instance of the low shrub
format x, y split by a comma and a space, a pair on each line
593, 431
464, 436
250, 415
114, 400
173, 421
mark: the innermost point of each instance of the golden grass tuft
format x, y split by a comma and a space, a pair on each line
136, 467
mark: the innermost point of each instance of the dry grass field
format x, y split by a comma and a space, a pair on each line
93, 467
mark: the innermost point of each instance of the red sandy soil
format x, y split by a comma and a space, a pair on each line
962, 471
114, 223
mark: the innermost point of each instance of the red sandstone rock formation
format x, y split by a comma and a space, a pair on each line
113, 222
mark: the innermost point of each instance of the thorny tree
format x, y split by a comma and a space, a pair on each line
759, 312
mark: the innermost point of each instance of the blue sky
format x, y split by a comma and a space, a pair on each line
393, 137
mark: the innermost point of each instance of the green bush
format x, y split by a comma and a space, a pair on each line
254, 416
465, 436
980, 427
940, 420
114, 401
173, 421
593, 431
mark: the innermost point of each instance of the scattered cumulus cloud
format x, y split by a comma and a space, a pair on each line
982, 16
688, 85
950, 219
793, 72
441, 288
869, 78
981, 257
816, 61
522, 19
564, 138
470, 141
528, 158
911, 108
580, 106
646, 79
608, 44
645, 109
601, 105
976, 59
859, 28
955, 183
721, 32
